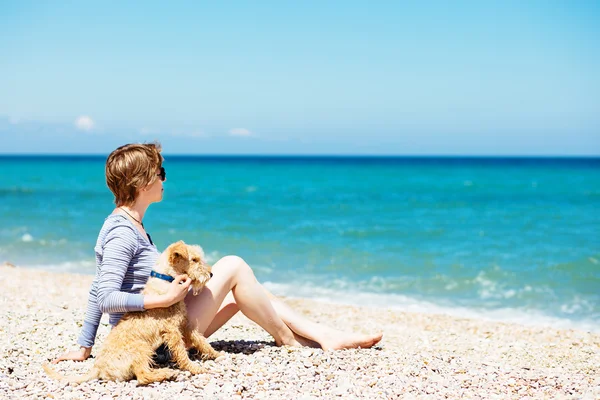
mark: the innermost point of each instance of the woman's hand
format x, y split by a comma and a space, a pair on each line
178, 289
176, 292
76, 355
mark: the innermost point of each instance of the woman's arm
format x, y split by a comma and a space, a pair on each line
120, 247
81, 354
87, 337
118, 250
116, 243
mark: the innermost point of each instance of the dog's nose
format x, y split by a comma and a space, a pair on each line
211, 274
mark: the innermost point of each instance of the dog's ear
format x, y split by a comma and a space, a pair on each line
178, 252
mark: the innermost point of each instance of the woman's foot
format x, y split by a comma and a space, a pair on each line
343, 340
292, 340
293, 343
306, 342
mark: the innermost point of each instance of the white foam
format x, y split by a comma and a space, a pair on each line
493, 289
576, 305
408, 304
79, 267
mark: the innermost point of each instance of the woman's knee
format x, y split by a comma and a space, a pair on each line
234, 264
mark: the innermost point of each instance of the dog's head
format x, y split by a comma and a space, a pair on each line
187, 259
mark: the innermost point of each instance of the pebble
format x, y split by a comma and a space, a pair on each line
422, 355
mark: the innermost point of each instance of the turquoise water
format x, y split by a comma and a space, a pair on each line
507, 239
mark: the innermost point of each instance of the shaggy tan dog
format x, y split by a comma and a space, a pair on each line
130, 345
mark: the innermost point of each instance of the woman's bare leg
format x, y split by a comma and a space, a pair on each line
328, 338
229, 308
231, 273
307, 332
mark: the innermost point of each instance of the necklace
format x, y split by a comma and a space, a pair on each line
132, 217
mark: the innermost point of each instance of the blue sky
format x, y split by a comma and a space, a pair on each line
438, 78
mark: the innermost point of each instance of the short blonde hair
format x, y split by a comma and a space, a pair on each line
130, 168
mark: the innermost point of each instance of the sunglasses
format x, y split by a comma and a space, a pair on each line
162, 174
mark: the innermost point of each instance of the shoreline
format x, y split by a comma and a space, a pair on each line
422, 355
529, 318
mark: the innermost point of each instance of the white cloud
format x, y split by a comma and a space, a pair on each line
240, 132
84, 123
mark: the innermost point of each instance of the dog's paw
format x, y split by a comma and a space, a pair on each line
172, 375
212, 355
196, 369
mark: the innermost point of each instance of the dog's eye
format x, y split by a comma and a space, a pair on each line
195, 259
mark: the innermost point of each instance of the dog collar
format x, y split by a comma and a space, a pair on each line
164, 277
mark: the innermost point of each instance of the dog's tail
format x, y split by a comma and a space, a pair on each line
93, 374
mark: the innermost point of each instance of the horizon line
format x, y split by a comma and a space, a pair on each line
283, 155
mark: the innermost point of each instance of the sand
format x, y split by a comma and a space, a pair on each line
421, 355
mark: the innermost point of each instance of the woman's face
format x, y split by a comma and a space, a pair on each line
155, 189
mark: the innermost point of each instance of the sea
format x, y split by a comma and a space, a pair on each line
507, 239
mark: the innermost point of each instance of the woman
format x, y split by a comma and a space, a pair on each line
125, 256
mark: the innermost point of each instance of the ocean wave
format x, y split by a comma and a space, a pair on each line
22, 237
527, 305
85, 267
489, 287
524, 316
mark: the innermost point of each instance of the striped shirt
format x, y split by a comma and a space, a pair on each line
124, 259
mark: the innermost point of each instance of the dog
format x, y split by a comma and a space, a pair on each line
130, 345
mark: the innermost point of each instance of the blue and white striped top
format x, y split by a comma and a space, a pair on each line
124, 259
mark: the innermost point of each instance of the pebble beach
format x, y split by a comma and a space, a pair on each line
420, 356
